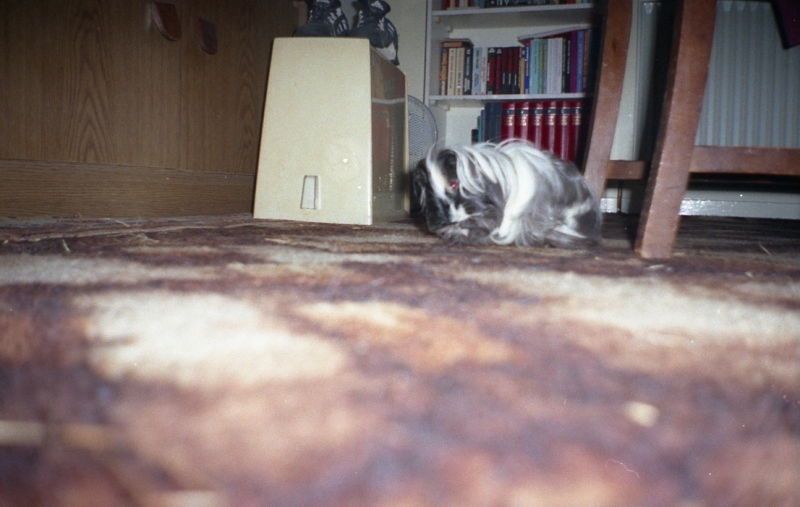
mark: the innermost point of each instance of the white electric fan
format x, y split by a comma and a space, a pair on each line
422, 133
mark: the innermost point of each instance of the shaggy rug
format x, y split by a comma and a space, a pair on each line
224, 361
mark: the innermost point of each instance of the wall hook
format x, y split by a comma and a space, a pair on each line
165, 16
205, 33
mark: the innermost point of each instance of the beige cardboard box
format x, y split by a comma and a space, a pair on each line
334, 141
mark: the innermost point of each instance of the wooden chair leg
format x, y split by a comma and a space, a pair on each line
608, 93
683, 102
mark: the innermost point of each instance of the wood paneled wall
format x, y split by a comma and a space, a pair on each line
90, 90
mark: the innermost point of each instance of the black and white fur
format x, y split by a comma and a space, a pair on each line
507, 194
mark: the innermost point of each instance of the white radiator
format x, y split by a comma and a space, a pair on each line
753, 92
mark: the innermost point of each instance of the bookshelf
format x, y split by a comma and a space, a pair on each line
487, 27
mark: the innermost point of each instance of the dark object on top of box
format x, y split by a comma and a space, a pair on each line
787, 13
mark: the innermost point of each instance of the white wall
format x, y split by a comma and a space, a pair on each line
408, 17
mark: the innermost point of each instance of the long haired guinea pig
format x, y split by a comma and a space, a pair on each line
507, 194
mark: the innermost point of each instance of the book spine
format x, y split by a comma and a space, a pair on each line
443, 72
451, 71
522, 118
485, 65
565, 85
563, 145
549, 71
590, 60
573, 62
558, 65
533, 59
513, 3
459, 72
476, 71
496, 121
491, 70
503, 85
510, 71
536, 124
513, 70
527, 82
577, 130
468, 70
498, 73
559, 82
549, 130
509, 119
542, 65
534, 79
581, 58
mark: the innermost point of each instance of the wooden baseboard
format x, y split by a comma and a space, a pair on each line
60, 189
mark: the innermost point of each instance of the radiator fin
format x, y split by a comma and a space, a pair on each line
753, 93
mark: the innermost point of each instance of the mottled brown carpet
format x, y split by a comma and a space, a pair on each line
223, 361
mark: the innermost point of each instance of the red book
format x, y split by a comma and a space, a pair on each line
536, 123
549, 130
521, 123
509, 117
563, 146
576, 129
503, 85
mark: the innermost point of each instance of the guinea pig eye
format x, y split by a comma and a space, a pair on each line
454, 185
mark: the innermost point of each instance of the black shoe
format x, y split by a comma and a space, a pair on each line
373, 25
326, 20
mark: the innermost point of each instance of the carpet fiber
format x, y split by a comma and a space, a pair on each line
224, 361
